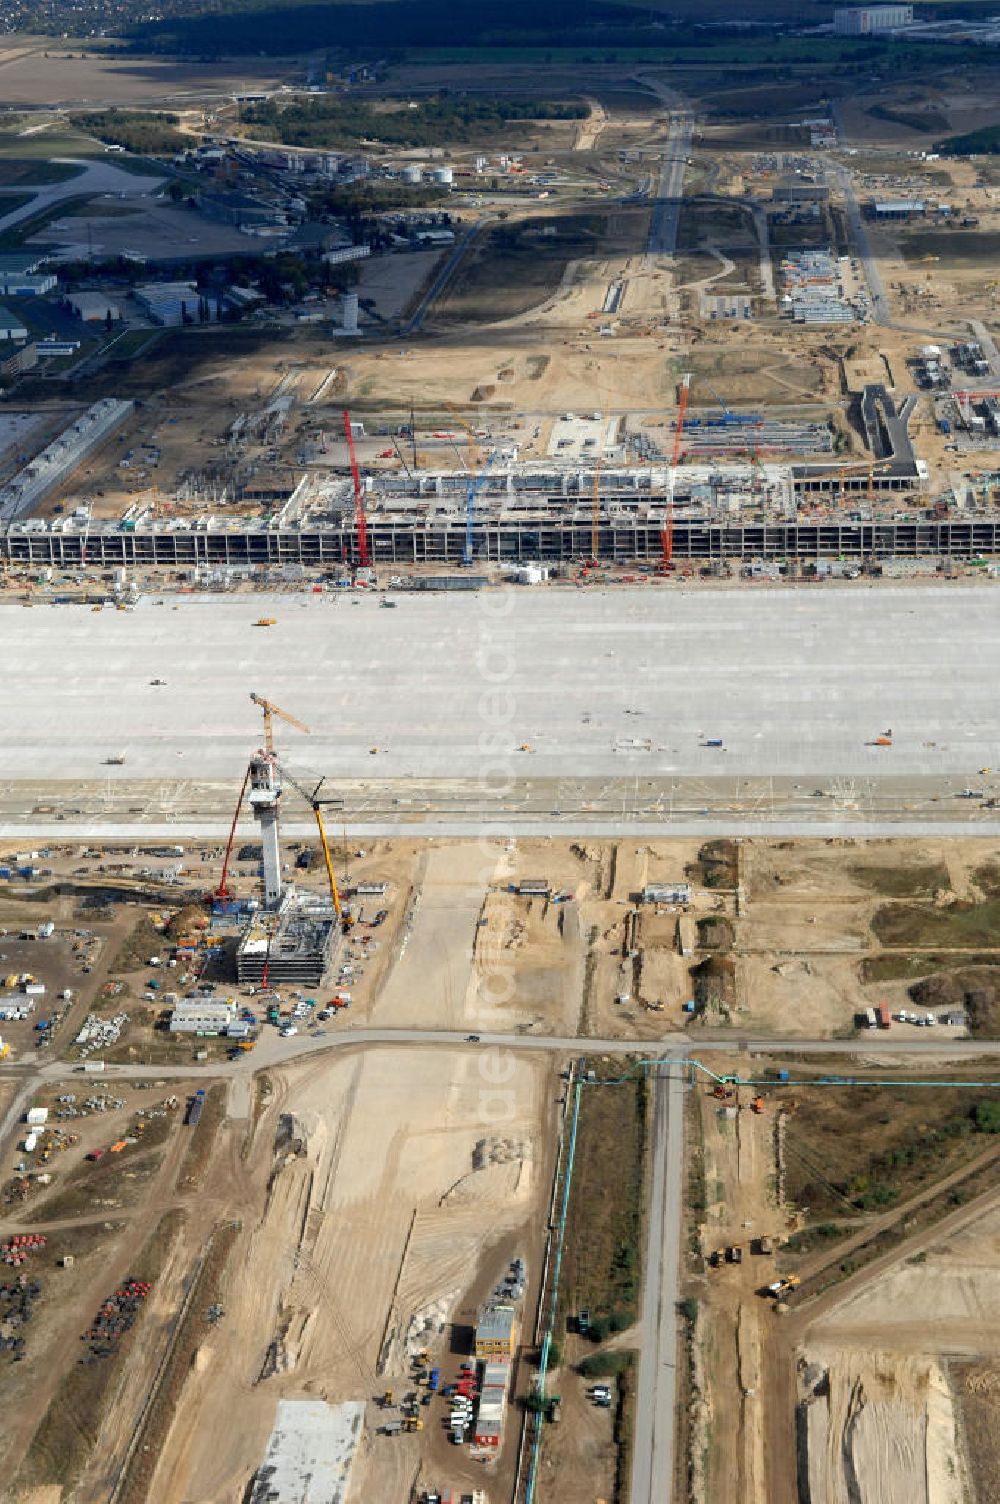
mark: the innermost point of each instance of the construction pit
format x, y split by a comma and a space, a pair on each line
852, 1381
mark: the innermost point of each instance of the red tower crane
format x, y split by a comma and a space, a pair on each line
667, 536
359, 505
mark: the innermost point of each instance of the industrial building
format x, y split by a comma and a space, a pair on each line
11, 327
896, 209
15, 286
203, 1016
19, 263
60, 458
295, 949
496, 1331
666, 893
170, 303
492, 1405
814, 289
798, 190
95, 307
867, 20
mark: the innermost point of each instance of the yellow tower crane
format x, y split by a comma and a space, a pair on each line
270, 711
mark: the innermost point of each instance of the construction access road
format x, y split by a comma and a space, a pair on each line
655, 1421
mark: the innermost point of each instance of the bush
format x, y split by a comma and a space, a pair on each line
688, 1308
604, 1365
987, 1117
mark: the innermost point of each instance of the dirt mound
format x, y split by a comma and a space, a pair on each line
977, 989
190, 918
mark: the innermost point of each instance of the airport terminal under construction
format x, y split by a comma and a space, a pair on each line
508, 510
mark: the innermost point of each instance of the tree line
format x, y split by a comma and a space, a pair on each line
343, 122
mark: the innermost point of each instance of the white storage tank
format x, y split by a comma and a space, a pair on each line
443, 175
411, 175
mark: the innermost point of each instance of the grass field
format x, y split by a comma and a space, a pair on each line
602, 1258
855, 1149
44, 146
955, 247
511, 270
960, 924
921, 880
724, 225
17, 172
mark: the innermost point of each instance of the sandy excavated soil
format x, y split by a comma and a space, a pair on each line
882, 1418
881, 1432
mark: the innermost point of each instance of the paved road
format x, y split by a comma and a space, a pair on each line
715, 818
859, 233
674, 1049
655, 1421
442, 277
670, 185
670, 190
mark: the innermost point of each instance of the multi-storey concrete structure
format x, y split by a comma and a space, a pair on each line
865, 20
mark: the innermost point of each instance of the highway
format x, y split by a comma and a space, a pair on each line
670, 190
670, 185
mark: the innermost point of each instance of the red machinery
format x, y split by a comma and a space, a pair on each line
223, 892
359, 505
667, 537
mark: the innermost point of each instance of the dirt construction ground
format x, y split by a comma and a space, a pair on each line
375, 1195
373, 1166
861, 1380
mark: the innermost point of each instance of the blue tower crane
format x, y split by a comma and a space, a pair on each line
475, 483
